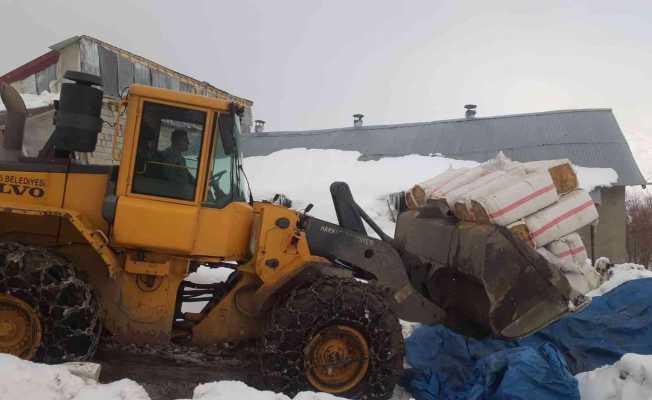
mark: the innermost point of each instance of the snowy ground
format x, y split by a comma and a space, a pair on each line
628, 379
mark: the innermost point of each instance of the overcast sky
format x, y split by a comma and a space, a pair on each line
311, 64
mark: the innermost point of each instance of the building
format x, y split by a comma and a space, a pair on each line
589, 138
119, 69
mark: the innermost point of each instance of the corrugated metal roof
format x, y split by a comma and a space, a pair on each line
590, 138
151, 64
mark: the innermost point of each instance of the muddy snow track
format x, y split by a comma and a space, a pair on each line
173, 372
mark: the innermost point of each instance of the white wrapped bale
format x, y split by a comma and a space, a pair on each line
500, 163
569, 248
455, 195
591, 274
581, 277
516, 200
416, 196
520, 230
572, 212
467, 177
464, 204
561, 171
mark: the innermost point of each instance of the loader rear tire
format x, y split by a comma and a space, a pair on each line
333, 335
48, 286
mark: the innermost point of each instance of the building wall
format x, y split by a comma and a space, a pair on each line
118, 70
103, 153
69, 60
611, 228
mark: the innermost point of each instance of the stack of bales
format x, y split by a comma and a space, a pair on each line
538, 201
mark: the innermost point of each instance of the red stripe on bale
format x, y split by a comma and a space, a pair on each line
562, 217
522, 201
571, 252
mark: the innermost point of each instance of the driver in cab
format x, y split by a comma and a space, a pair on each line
175, 169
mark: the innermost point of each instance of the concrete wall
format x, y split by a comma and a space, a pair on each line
104, 150
610, 232
69, 60
27, 85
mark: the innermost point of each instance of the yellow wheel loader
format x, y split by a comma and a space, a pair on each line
89, 251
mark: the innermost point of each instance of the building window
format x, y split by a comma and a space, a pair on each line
169, 150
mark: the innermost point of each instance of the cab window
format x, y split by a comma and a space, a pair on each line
169, 150
220, 178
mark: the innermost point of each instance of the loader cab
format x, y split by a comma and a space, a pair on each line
179, 188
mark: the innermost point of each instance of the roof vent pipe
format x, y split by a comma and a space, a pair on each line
357, 120
259, 126
470, 111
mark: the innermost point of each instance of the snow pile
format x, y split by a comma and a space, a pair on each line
205, 275
228, 390
408, 327
618, 275
305, 177
209, 275
628, 379
591, 178
28, 380
36, 100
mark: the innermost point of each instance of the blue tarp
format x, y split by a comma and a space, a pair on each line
447, 365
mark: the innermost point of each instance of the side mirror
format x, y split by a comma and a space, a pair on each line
229, 127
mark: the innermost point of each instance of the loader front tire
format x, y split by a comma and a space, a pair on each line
333, 335
35, 282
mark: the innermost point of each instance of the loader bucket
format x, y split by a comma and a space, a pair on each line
488, 281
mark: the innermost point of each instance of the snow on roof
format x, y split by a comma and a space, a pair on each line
313, 171
588, 137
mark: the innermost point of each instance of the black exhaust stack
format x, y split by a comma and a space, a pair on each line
77, 119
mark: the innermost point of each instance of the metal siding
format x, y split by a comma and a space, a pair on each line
43, 78
158, 79
142, 74
125, 73
174, 83
590, 138
185, 87
90, 57
109, 70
